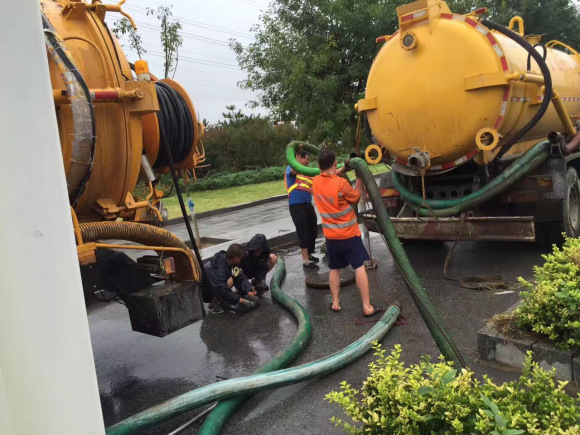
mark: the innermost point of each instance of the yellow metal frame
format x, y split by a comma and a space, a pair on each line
520, 22
153, 248
553, 43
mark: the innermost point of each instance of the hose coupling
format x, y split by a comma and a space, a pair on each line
419, 160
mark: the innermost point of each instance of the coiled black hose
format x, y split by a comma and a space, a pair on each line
505, 147
175, 120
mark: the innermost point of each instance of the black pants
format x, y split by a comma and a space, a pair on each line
226, 295
304, 218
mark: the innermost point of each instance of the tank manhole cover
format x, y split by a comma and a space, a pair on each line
320, 280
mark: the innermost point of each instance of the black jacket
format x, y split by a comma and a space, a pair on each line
219, 271
257, 243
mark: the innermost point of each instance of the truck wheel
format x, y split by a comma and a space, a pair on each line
571, 204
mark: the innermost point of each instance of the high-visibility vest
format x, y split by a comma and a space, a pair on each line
338, 216
302, 183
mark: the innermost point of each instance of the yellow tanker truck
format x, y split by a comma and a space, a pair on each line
118, 123
479, 123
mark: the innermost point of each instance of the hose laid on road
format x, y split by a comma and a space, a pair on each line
219, 416
252, 384
529, 161
420, 297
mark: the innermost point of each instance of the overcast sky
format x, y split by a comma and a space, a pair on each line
207, 66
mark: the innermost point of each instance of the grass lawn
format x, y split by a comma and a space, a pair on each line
222, 198
216, 199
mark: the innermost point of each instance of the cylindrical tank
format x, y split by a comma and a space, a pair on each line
443, 81
125, 110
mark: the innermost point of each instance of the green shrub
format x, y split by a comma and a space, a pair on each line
551, 304
430, 398
225, 180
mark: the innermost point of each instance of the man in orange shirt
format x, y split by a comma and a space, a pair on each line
335, 199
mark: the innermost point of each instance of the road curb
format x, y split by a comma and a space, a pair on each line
236, 207
511, 351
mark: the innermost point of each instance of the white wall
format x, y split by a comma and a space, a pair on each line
48, 383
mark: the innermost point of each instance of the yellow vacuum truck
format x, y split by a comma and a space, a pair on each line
118, 123
479, 123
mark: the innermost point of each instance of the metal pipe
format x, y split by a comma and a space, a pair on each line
563, 115
193, 420
106, 95
520, 23
527, 77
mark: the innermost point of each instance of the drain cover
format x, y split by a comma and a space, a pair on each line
320, 280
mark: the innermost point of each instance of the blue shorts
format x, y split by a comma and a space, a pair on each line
341, 253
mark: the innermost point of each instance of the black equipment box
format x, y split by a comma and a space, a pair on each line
164, 307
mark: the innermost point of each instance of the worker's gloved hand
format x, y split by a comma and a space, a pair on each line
236, 271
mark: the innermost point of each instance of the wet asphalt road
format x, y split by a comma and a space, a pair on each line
136, 371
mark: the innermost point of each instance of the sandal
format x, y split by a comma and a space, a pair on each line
336, 311
376, 311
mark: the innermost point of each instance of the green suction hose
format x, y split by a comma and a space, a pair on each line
218, 417
420, 297
251, 384
291, 158
532, 159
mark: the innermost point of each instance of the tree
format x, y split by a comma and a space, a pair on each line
555, 19
311, 58
123, 27
234, 117
171, 38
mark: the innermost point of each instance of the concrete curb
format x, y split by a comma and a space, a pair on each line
276, 242
494, 346
236, 207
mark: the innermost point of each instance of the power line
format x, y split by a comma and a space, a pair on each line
185, 35
188, 21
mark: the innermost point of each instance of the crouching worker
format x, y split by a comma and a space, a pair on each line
231, 288
258, 261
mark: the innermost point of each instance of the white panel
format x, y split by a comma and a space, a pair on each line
47, 372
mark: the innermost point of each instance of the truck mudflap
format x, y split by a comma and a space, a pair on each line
513, 229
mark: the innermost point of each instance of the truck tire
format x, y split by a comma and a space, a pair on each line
571, 204
548, 233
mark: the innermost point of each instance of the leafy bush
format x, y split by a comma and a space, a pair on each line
430, 398
551, 304
225, 180
249, 142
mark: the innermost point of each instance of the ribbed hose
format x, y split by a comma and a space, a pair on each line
531, 160
252, 384
146, 235
219, 416
548, 93
428, 312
